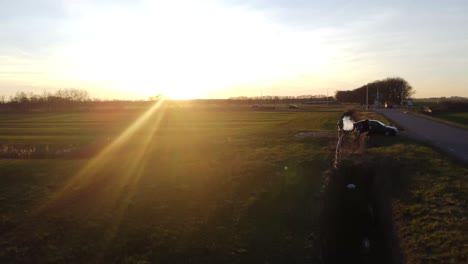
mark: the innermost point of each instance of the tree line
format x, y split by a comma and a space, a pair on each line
392, 90
47, 101
269, 99
64, 100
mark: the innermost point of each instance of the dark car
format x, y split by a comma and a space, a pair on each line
376, 127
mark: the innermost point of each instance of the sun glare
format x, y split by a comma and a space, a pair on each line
187, 52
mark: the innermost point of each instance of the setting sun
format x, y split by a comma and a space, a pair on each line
218, 49
159, 48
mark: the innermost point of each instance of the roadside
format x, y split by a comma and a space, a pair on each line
393, 200
428, 201
421, 190
452, 140
451, 119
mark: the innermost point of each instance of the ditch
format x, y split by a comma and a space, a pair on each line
356, 220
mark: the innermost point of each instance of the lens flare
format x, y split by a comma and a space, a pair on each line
107, 184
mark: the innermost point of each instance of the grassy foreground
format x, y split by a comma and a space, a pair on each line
428, 198
184, 186
197, 185
428, 202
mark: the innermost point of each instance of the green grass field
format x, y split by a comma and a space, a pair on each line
187, 186
428, 201
197, 185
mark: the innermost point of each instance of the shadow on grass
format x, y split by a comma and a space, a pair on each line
353, 215
277, 223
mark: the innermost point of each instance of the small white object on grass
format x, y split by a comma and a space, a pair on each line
351, 186
285, 167
366, 243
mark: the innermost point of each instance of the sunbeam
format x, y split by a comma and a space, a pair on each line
127, 184
106, 174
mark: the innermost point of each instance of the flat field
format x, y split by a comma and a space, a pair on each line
178, 184
186, 183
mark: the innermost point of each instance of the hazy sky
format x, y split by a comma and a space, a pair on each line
218, 49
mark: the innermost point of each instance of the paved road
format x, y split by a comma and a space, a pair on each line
451, 139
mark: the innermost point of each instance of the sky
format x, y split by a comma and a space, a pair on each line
218, 49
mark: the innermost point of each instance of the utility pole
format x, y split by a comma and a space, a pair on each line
402, 94
378, 99
261, 97
327, 96
367, 97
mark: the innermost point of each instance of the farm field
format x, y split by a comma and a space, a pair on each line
184, 186
188, 184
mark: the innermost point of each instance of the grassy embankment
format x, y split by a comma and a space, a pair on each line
428, 199
426, 195
450, 112
459, 119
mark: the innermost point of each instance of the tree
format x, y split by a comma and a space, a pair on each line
394, 90
74, 95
